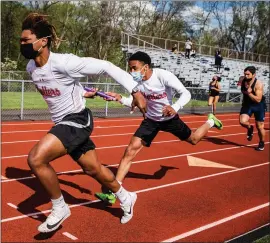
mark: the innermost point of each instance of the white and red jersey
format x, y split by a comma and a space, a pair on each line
58, 81
158, 91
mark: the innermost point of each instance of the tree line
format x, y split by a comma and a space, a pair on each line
93, 28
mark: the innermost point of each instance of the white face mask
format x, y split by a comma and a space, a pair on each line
137, 75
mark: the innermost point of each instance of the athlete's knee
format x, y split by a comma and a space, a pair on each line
94, 171
35, 160
259, 126
242, 122
132, 149
192, 139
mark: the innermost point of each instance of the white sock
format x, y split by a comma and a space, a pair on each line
59, 202
122, 195
210, 122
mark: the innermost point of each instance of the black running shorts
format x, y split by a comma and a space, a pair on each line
74, 131
257, 109
149, 129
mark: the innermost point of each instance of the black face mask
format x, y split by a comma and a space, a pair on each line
213, 79
248, 79
28, 51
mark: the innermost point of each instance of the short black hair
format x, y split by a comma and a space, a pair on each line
141, 56
252, 69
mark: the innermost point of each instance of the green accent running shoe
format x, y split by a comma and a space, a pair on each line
106, 197
218, 124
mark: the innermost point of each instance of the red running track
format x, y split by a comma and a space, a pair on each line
176, 201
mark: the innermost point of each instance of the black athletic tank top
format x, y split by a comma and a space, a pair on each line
246, 99
213, 92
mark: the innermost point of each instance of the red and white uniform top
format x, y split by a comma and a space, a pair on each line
59, 81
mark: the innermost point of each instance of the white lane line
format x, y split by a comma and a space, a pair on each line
110, 135
125, 145
15, 156
25, 131
202, 177
23, 141
239, 236
107, 120
143, 190
108, 127
218, 222
12, 205
134, 162
107, 147
72, 237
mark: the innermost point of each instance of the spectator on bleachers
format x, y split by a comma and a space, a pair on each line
188, 46
193, 53
214, 89
174, 49
218, 60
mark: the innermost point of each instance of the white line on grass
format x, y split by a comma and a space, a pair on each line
218, 222
143, 190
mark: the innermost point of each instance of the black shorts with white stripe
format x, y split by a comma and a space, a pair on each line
74, 131
150, 128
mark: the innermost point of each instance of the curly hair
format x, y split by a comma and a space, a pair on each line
39, 25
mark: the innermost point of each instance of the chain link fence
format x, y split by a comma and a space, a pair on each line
21, 101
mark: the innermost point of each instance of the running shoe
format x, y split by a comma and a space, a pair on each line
128, 208
217, 123
260, 146
54, 220
108, 197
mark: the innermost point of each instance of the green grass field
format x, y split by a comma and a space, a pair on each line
34, 100
265, 239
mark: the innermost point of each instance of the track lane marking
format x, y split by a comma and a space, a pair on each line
142, 161
215, 223
143, 190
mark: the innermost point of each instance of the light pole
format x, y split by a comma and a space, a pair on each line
201, 31
249, 37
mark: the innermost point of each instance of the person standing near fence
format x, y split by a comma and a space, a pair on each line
214, 89
253, 103
157, 86
188, 46
218, 60
56, 77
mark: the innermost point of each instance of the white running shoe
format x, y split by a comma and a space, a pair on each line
54, 220
128, 208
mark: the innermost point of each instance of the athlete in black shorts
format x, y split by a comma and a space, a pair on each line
214, 89
56, 76
162, 115
253, 103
